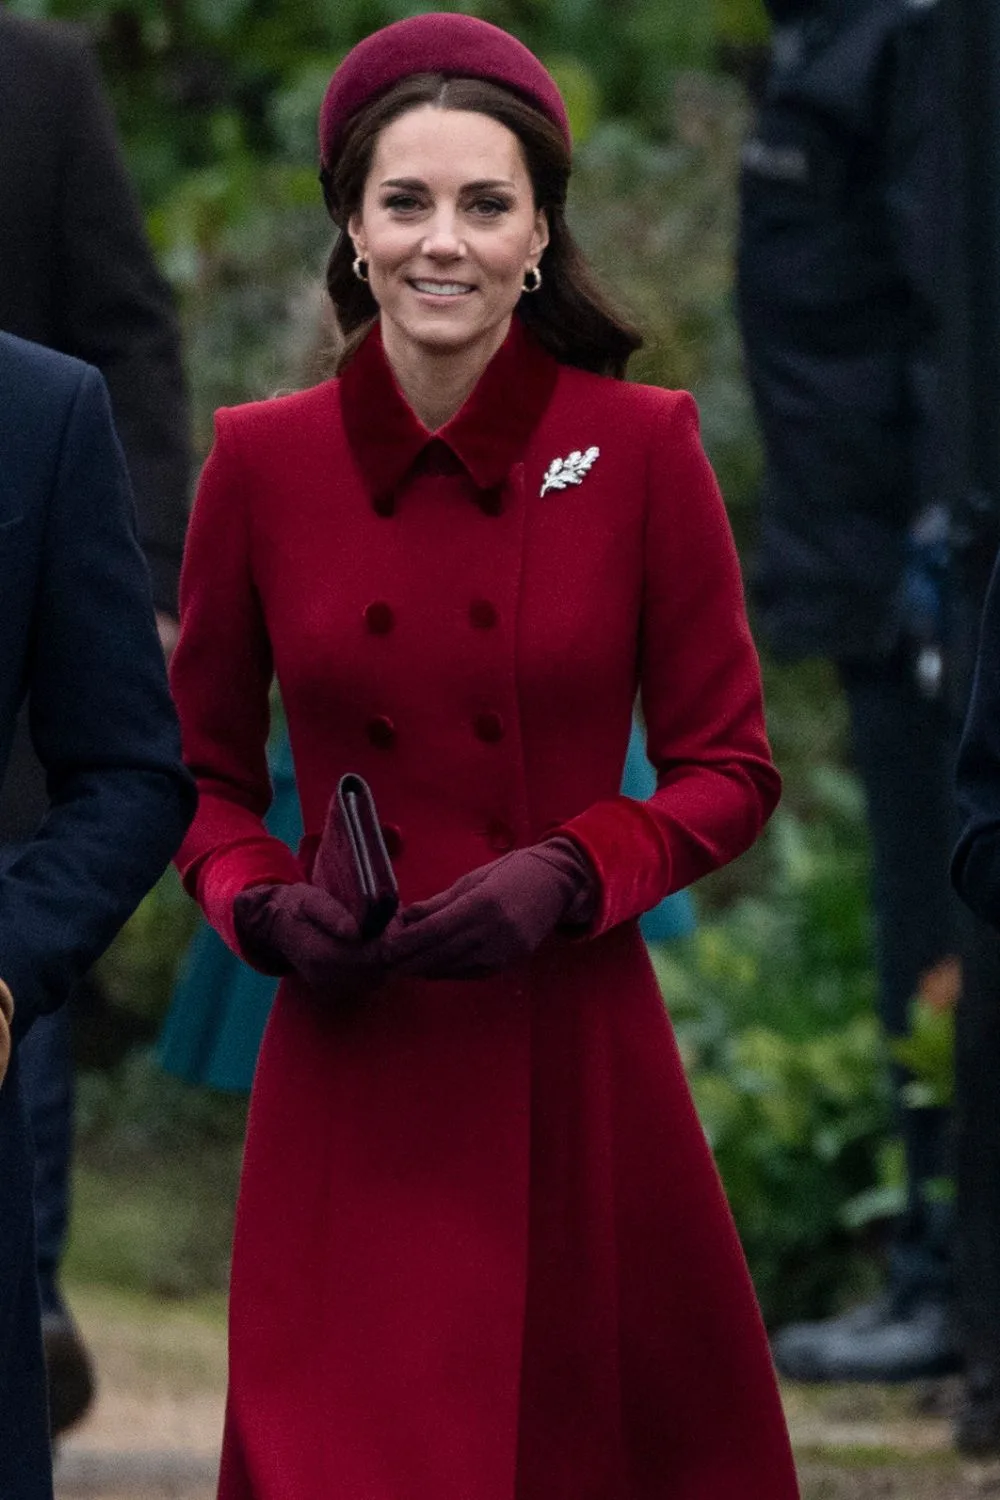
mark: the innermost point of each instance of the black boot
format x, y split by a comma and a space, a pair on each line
68, 1366
884, 1340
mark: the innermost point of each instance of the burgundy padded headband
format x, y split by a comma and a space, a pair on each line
441, 42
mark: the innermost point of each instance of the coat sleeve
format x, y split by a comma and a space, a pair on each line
101, 722
701, 697
117, 313
221, 675
975, 867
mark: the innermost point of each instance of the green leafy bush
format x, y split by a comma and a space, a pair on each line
155, 1184
928, 1053
773, 1004
178, 69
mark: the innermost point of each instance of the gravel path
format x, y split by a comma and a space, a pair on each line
154, 1430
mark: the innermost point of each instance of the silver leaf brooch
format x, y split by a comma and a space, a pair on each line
562, 472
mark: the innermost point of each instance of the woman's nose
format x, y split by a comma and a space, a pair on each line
443, 239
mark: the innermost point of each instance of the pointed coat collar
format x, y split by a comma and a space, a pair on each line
487, 435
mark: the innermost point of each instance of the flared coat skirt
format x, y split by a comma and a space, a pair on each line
482, 1253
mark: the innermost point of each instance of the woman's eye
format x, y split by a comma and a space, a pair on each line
401, 202
490, 208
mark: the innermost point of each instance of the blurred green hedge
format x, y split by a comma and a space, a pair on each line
196, 78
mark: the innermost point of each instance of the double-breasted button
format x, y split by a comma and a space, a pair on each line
488, 727
483, 614
384, 505
393, 836
381, 732
379, 617
499, 836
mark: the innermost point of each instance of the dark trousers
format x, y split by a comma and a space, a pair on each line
904, 751
46, 1067
25, 1461
46, 1058
48, 1083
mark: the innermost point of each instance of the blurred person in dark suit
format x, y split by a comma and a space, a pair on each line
79, 644
77, 274
976, 863
839, 269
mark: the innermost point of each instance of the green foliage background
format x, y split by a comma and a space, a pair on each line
772, 998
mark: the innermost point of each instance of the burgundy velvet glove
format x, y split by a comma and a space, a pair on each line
300, 927
494, 915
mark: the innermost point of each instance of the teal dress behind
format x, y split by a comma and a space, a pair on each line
220, 1006
674, 917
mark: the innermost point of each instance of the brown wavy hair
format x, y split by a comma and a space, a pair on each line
570, 315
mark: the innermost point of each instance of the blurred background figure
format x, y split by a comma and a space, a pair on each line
77, 273
971, 197
78, 643
838, 276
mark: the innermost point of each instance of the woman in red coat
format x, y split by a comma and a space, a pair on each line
481, 1252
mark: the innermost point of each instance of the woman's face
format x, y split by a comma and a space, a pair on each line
448, 227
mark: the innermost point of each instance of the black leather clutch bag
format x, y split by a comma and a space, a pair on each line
352, 862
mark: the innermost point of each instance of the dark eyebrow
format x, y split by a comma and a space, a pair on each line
414, 184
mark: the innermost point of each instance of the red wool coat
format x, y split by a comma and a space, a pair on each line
481, 1250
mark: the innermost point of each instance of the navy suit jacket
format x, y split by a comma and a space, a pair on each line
78, 641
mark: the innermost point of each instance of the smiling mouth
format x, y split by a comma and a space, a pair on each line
442, 288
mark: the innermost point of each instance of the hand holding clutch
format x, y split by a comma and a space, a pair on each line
300, 927
328, 931
495, 915
352, 863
